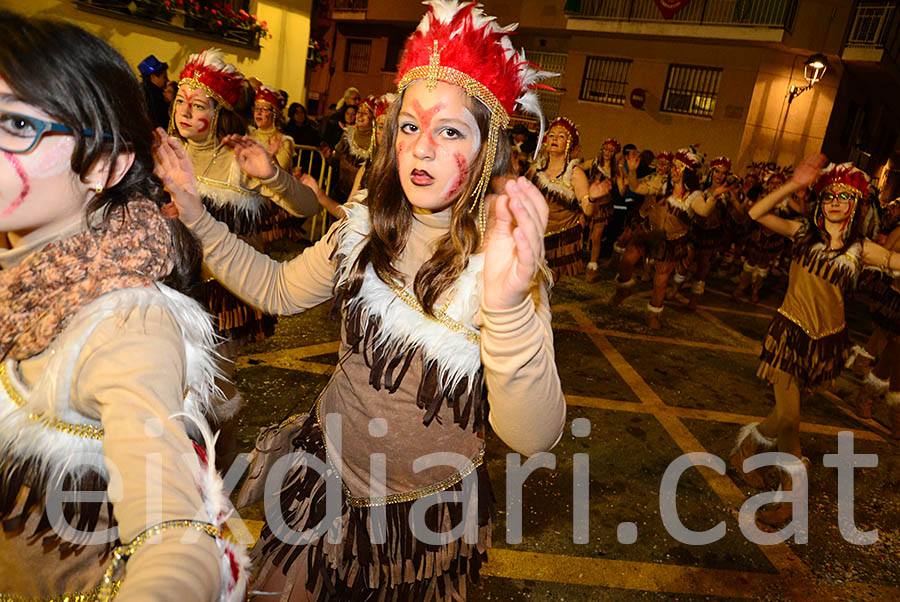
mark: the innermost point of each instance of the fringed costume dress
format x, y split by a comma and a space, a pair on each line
648, 221
808, 340
278, 223
708, 232
407, 388
883, 286
670, 224
244, 203
351, 156
121, 390
564, 239
764, 246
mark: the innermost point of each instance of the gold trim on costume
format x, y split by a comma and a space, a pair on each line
196, 83
79, 430
810, 334
407, 496
440, 315
89, 596
553, 232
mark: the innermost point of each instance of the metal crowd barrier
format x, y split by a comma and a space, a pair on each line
311, 160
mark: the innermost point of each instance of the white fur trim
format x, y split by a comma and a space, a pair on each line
618, 250
892, 398
855, 352
625, 285
562, 185
678, 278
654, 310
592, 265
246, 203
750, 269
457, 356
699, 287
52, 450
751, 430
873, 383
226, 410
355, 150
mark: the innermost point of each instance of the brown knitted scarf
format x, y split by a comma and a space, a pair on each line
38, 297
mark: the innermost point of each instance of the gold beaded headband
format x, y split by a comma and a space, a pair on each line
193, 82
434, 72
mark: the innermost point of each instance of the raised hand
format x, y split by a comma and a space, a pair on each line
808, 171
311, 182
251, 156
599, 189
514, 249
174, 168
633, 160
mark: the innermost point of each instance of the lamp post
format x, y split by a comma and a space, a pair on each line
813, 72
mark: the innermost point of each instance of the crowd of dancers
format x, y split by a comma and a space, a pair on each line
438, 265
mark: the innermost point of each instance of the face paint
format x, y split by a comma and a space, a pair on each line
204, 124
462, 175
26, 187
426, 117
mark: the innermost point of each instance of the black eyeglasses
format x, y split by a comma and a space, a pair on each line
841, 198
20, 133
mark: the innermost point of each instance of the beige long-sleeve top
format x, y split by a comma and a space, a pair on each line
129, 377
279, 145
527, 406
218, 171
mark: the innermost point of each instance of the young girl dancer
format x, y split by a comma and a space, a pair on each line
98, 357
569, 196
807, 342
445, 329
604, 168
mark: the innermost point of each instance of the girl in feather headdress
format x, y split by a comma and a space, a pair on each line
445, 330
807, 342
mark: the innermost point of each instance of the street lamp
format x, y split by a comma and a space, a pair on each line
813, 71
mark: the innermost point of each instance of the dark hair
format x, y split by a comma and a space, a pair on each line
293, 109
82, 82
690, 180
391, 217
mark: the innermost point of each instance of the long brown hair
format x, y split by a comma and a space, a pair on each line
391, 216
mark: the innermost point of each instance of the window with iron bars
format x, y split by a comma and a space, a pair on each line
356, 59
691, 90
605, 80
552, 62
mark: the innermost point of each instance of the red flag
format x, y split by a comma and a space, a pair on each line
668, 8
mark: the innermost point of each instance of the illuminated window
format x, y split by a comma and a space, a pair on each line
691, 90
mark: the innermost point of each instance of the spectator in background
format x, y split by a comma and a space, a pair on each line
351, 97
300, 127
522, 140
169, 92
154, 77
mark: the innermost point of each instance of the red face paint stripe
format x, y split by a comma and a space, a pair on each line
204, 124
462, 173
426, 116
26, 187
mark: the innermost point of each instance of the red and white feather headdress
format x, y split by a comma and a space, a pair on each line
457, 43
612, 143
844, 177
724, 162
219, 80
384, 103
271, 97
568, 125
689, 158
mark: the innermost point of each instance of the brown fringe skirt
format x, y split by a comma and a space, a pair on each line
787, 348
668, 251
708, 240
764, 249
602, 213
402, 569
234, 319
885, 307
563, 252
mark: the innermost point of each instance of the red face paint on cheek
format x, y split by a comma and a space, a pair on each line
204, 124
26, 187
462, 174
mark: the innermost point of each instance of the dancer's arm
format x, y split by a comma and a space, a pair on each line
589, 193
527, 405
880, 257
131, 375
330, 205
804, 176
271, 286
892, 242
274, 183
634, 160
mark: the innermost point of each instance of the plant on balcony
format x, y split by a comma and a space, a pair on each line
221, 19
316, 53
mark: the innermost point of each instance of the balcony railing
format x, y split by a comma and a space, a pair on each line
876, 26
351, 5
167, 16
747, 13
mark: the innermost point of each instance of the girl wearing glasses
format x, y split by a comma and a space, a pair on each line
100, 349
807, 342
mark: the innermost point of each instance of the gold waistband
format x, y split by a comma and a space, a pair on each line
809, 333
93, 595
406, 496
